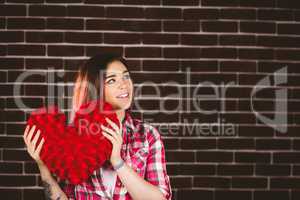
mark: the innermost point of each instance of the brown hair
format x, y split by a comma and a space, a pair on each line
90, 78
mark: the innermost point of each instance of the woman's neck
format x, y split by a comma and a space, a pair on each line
120, 115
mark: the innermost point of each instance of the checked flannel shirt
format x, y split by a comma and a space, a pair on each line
144, 153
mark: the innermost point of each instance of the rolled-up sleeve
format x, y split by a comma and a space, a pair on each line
156, 172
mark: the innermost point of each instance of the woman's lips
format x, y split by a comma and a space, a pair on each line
124, 95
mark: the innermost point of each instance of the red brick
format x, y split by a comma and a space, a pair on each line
219, 3
25, 1
275, 15
104, 24
286, 28
235, 170
238, 40
287, 54
249, 182
178, 156
65, 50
44, 37
83, 37
252, 157
102, 2
256, 54
238, 66
180, 3
163, 13
273, 144
219, 26
288, 4
194, 194
33, 193
11, 36
47, 10
62, 24
198, 143
64, 1
154, 38
214, 156
146, 52
233, 194
271, 194
85, 11
10, 193
286, 157
254, 3
200, 13
14, 180
285, 183
92, 50
212, 182
199, 66
124, 12
143, 26
122, 38
219, 53
257, 27
181, 52
141, 2
234, 13
10, 167
43, 63
272, 170
203, 39
236, 144
181, 182
30, 50
196, 169
25, 23
181, 26
12, 10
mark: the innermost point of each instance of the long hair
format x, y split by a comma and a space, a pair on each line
89, 81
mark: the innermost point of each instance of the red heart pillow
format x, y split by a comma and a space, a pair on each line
73, 152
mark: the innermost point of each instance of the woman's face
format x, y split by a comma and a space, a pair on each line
118, 87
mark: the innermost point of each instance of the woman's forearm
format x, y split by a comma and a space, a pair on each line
137, 187
52, 189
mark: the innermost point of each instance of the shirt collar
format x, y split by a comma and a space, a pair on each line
128, 120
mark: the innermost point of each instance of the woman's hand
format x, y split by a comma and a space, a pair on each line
115, 136
31, 143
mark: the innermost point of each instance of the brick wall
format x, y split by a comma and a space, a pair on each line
210, 54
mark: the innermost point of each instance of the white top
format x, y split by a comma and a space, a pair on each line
109, 180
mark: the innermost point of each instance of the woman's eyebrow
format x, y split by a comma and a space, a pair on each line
113, 75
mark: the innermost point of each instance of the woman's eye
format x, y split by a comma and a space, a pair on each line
127, 76
110, 81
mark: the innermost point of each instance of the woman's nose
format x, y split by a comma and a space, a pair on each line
122, 83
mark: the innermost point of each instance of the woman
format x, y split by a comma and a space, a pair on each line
137, 168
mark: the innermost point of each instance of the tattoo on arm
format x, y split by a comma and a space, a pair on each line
47, 190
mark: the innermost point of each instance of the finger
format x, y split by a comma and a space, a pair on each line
109, 137
36, 137
25, 133
117, 129
39, 147
111, 133
108, 130
28, 138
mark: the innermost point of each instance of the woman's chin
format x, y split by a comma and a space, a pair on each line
121, 107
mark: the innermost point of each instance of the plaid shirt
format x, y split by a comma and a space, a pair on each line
143, 151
